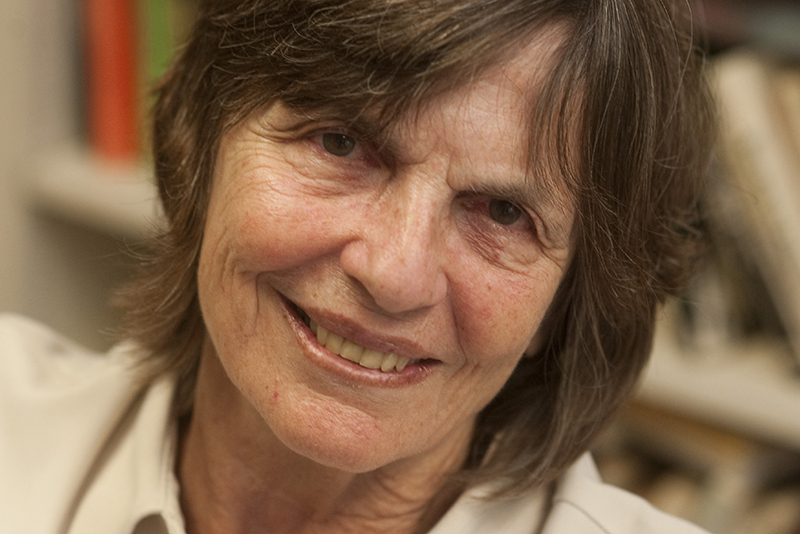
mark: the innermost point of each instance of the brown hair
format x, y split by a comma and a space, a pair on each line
626, 116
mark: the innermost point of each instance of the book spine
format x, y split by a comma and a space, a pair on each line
112, 81
762, 164
157, 38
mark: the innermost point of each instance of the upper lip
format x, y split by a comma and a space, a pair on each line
347, 328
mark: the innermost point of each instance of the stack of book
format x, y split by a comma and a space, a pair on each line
759, 200
127, 46
726, 483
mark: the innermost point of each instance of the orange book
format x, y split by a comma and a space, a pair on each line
112, 81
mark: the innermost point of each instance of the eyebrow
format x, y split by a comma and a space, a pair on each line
363, 125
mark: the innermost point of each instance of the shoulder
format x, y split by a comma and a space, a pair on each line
59, 402
44, 375
60, 406
579, 503
33, 355
583, 503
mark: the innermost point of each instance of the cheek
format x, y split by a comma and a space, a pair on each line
499, 316
270, 222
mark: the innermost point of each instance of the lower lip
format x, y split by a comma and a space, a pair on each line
351, 371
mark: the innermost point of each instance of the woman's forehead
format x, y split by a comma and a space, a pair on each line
511, 85
487, 120
383, 97
495, 112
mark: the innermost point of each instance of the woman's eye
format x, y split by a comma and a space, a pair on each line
338, 144
504, 212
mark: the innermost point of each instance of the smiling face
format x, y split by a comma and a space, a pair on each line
367, 297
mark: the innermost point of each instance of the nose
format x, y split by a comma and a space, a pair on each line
398, 254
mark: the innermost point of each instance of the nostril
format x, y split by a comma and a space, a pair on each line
399, 273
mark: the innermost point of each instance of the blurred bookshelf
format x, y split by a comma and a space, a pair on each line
112, 197
102, 179
88, 191
751, 387
713, 433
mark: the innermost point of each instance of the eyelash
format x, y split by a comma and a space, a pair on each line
525, 223
360, 151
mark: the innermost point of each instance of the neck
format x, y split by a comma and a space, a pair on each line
236, 480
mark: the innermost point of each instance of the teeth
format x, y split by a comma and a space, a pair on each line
321, 333
402, 361
371, 359
351, 351
389, 363
334, 343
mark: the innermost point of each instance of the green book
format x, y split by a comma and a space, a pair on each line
157, 39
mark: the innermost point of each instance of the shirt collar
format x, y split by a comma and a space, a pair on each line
133, 487
156, 435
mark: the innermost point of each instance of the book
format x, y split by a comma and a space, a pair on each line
128, 46
156, 39
763, 165
110, 53
163, 27
723, 481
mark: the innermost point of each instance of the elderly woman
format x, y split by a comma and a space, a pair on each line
414, 253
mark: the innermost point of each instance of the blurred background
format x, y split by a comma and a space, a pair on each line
714, 431
75, 191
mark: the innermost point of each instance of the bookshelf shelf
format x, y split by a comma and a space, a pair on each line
115, 198
752, 389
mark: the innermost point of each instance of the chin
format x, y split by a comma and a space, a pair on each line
336, 436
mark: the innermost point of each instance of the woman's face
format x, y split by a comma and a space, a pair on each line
427, 253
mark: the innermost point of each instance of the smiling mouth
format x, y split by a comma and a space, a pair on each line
386, 362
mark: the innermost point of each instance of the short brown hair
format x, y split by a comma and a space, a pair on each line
628, 117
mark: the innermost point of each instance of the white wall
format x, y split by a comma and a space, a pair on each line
52, 270
14, 144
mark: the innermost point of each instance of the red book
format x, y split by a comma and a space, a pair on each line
111, 71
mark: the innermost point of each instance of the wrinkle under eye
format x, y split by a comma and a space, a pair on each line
338, 144
504, 212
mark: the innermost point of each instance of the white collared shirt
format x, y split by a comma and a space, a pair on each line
84, 449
